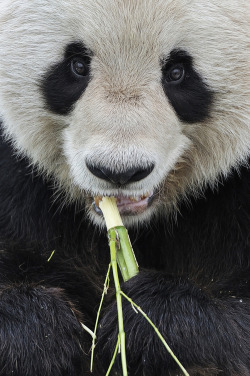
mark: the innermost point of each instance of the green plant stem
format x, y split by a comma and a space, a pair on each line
113, 245
126, 253
50, 257
122, 253
114, 356
106, 285
120, 257
157, 332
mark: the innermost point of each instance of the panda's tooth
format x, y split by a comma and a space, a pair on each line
144, 196
96, 207
97, 200
133, 198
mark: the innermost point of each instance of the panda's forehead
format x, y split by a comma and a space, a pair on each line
108, 27
128, 23
116, 26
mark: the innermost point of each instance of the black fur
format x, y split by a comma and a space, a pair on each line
37, 329
61, 88
191, 98
194, 283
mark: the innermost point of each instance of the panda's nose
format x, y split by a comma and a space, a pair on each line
120, 177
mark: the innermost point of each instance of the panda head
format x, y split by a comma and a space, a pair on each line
145, 100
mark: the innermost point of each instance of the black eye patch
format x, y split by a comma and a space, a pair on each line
62, 86
190, 97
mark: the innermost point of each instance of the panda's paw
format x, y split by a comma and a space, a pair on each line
39, 333
173, 306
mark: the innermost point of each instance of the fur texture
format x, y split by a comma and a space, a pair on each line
125, 113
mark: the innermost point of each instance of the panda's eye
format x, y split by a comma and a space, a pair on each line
175, 74
79, 66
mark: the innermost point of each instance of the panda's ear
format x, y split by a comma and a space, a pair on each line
187, 92
66, 81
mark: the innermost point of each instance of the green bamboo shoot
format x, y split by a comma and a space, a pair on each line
124, 252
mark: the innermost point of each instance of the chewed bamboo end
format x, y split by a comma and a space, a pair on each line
110, 211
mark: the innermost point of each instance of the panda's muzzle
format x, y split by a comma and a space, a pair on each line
127, 205
120, 178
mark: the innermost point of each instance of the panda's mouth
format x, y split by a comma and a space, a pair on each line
131, 205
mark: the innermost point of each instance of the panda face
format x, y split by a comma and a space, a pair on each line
146, 100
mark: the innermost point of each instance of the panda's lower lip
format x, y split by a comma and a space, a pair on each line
128, 205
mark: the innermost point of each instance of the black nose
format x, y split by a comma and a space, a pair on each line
118, 177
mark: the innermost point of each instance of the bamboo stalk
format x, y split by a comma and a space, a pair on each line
122, 253
106, 285
114, 356
112, 244
125, 255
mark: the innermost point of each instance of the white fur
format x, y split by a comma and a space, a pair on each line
124, 117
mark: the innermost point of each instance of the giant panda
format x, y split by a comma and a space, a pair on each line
146, 101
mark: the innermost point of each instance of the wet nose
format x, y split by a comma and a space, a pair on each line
121, 177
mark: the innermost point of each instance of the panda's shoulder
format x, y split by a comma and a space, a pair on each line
23, 193
15, 171
12, 169
231, 194
32, 211
222, 211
